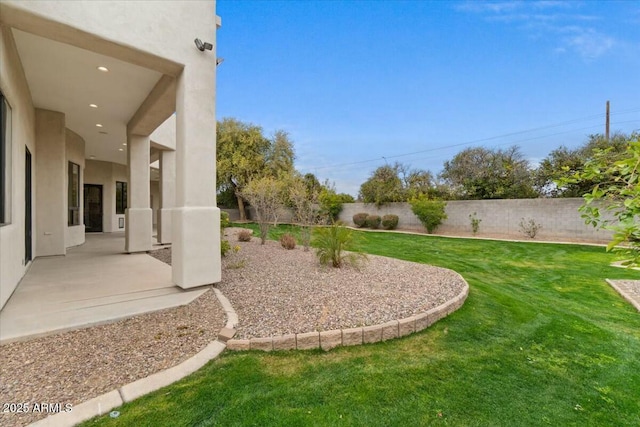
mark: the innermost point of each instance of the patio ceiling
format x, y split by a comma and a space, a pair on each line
66, 79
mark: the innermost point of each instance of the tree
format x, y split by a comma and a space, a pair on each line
480, 173
244, 153
617, 191
331, 202
395, 183
280, 157
383, 186
563, 163
266, 195
304, 196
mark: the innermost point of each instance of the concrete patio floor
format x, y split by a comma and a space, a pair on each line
94, 283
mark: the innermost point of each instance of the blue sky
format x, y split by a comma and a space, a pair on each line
358, 83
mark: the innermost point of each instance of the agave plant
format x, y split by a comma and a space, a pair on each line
332, 243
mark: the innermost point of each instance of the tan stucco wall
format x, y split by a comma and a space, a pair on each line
106, 174
14, 87
51, 176
164, 137
165, 29
155, 201
157, 35
75, 153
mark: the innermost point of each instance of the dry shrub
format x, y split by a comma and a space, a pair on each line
244, 235
288, 241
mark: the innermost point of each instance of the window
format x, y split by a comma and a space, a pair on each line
121, 197
5, 161
74, 194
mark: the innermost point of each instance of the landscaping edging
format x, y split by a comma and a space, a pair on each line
104, 403
327, 340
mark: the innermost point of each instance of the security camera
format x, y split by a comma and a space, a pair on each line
202, 46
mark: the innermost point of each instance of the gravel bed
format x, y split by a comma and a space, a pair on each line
630, 289
75, 366
277, 291
274, 292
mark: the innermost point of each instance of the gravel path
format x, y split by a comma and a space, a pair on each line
273, 290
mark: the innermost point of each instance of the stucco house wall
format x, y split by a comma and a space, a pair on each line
158, 37
23, 125
106, 174
75, 154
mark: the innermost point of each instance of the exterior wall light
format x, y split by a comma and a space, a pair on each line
202, 46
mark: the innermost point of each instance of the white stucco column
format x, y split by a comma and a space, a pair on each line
167, 195
196, 219
138, 214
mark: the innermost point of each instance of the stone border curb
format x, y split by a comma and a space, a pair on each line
327, 340
634, 301
104, 403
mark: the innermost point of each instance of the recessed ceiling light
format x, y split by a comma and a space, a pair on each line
98, 125
124, 143
103, 69
120, 149
92, 156
93, 106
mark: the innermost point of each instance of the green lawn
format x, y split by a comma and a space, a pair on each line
541, 340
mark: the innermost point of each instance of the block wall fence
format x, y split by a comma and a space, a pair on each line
560, 218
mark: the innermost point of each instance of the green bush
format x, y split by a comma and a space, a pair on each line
331, 242
224, 244
224, 219
225, 247
288, 241
390, 222
429, 212
373, 221
360, 219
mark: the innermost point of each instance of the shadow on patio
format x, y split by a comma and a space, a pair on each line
94, 283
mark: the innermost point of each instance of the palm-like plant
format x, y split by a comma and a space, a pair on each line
331, 244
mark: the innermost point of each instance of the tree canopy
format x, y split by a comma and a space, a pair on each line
481, 173
563, 163
617, 173
244, 153
395, 183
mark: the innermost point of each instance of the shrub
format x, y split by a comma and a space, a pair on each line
244, 235
288, 241
390, 222
224, 222
225, 247
267, 196
224, 219
429, 212
373, 221
529, 227
331, 243
475, 223
360, 219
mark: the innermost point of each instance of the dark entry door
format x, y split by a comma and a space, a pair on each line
92, 208
28, 254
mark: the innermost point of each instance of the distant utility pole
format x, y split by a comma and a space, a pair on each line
607, 123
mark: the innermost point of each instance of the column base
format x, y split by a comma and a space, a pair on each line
164, 225
138, 230
195, 250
